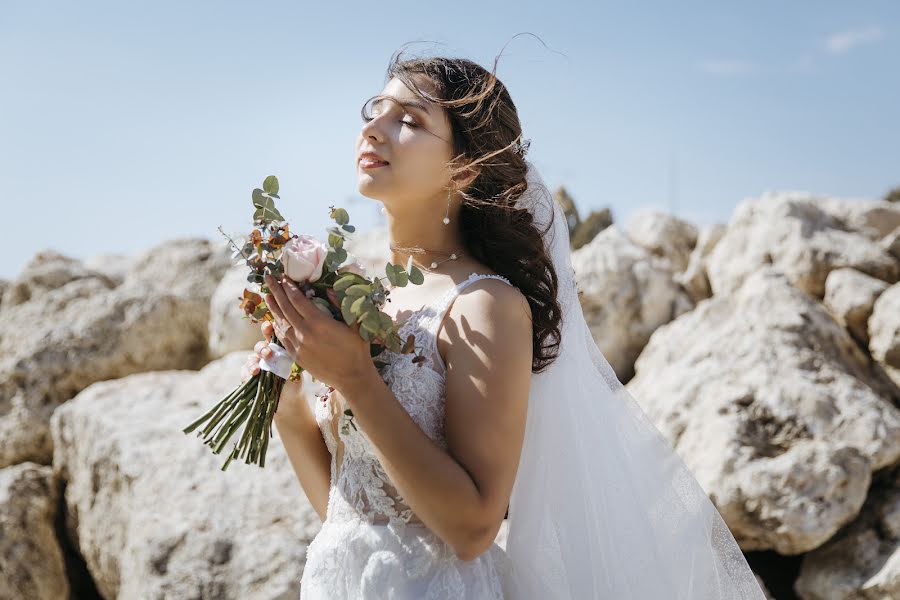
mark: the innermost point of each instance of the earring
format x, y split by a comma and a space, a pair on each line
446, 217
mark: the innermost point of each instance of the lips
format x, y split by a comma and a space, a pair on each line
371, 158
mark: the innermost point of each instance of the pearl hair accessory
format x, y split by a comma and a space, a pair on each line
521, 146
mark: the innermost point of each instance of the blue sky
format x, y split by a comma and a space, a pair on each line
126, 124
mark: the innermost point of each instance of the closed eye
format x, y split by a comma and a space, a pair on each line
410, 124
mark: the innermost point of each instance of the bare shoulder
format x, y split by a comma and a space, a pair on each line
489, 295
488, 311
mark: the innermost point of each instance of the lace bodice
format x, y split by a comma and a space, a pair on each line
360, 488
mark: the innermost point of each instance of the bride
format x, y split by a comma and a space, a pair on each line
506, 409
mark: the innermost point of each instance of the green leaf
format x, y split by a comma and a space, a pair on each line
349, 228
270, 185
359, 289
356, 307
340, 216
265, 206
344, 281
416, 275
368, 325
393, 273
335, 241
346, 313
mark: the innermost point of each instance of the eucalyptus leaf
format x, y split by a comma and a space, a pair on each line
344, 281
360, 289
257, 197
346, 313
340, 216
356, 307
416, 276
367, 325
270, 185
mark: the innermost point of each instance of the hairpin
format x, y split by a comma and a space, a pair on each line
520, 147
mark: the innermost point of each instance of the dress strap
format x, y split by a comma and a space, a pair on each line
433, 320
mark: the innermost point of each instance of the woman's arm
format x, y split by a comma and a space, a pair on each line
461, 494
304, 445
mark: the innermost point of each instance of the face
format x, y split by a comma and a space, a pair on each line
415, 141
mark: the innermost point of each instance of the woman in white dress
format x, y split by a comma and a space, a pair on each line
505, 410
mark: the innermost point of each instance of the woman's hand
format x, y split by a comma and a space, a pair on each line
292, 405
261, 350
328, 349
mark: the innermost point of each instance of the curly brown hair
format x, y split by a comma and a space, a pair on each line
486, 134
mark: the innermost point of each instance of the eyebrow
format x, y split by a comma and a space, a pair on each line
412, 103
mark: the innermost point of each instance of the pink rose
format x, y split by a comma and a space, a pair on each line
303, 258
353, 267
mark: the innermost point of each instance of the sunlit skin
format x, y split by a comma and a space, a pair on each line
485, 340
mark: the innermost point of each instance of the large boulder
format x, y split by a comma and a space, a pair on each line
626, 293
65, 338
850, 296
862, 561
31, 561
148, 506
872, 218
46, 271
775, 408
115, 266
664, 235
694, 278
794, 233
891, 243
884, 332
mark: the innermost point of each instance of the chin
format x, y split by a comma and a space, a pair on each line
370, 189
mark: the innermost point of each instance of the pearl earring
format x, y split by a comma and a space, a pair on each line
447, 218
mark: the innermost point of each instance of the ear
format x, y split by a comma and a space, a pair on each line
467, 176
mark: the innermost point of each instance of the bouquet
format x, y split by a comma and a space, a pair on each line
339, 289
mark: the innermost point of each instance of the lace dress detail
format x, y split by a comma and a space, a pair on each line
372, 545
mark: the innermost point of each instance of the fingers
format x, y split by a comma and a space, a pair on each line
297, 299
267, 330
291, 307
282, 309
250, 367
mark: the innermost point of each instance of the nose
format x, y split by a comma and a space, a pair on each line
372, 130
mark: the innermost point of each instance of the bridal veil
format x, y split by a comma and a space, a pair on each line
603, 507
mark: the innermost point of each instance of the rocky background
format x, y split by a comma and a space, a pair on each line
766, 349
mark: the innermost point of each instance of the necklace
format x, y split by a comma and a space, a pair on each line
434, 264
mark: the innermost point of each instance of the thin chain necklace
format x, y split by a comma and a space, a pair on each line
434, 264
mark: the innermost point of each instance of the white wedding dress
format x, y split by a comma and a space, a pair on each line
602, 507
372, 545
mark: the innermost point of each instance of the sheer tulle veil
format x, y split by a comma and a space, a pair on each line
603, 507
